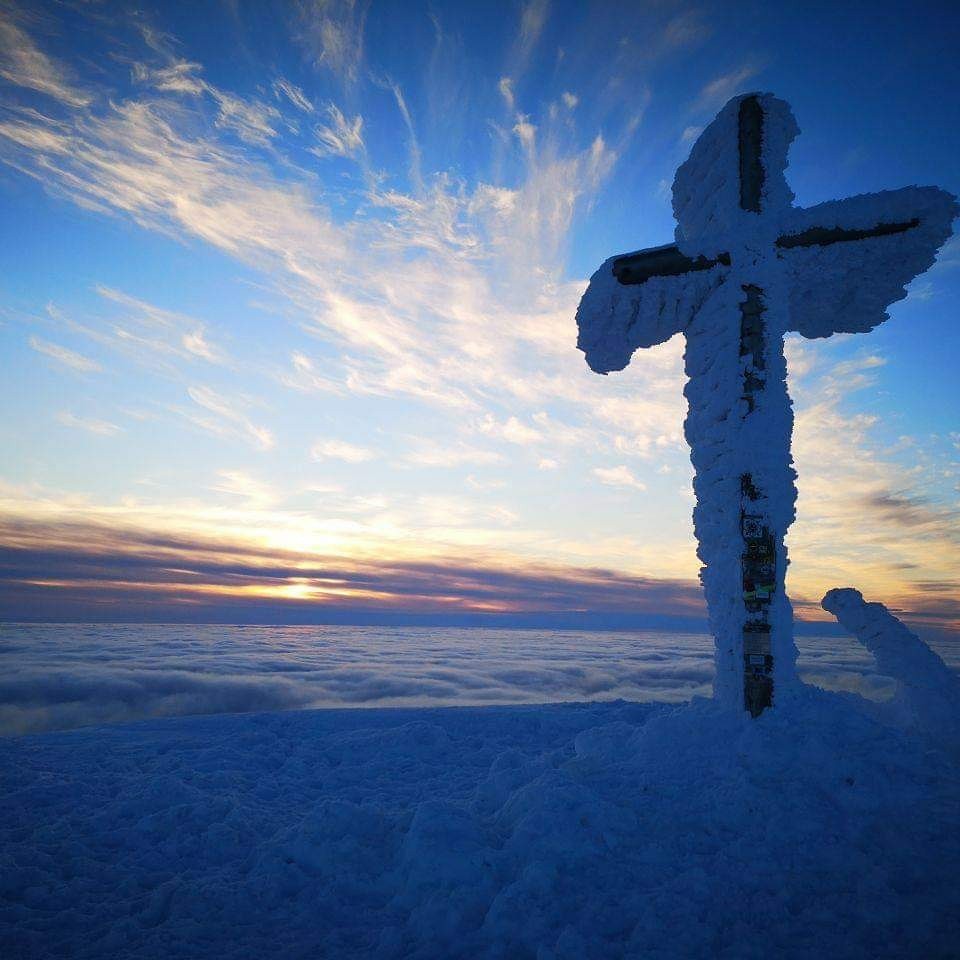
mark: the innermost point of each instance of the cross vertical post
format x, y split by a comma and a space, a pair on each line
760, 547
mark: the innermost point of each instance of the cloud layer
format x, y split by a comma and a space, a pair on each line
57, 677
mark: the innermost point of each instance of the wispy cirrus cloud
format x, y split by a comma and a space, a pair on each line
340, 136
715, 93
304, 376
424, 452
533, 18
534, 15
148, 334
294, 94
224, 416
341, 450
505, 86
237, 483
175, 76
332, 31
414, 163
131, 159
619, 476
687, 29
64, 355
253, 121
23, 63
444, 292
102, 428
195, 343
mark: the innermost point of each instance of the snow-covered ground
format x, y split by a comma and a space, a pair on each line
606, 830
825, 828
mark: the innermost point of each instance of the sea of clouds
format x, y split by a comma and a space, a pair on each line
69, 675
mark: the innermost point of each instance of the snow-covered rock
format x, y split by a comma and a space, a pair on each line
927, 694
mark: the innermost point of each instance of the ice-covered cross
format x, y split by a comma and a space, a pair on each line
747, 268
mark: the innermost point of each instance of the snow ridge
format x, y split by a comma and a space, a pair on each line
927, 696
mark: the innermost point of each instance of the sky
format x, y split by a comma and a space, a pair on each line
287, 299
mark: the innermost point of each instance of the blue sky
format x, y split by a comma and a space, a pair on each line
287, 307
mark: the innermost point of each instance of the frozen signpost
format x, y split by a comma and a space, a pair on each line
747, 268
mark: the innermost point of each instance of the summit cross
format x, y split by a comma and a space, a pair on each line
748, 267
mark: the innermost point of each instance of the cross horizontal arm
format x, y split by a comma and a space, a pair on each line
824, 236
661, 294
848, 260
665, 261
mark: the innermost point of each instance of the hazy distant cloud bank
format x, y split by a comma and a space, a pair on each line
94, 571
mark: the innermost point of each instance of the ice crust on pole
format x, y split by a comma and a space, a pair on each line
729, 441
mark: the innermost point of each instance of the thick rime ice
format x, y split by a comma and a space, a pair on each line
616, 320
748, 267
927, 696
707, 187
847, 287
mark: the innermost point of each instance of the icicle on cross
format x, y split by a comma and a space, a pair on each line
747, 268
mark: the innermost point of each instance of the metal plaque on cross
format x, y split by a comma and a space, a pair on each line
746, 268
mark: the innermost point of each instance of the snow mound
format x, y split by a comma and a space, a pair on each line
547, 832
